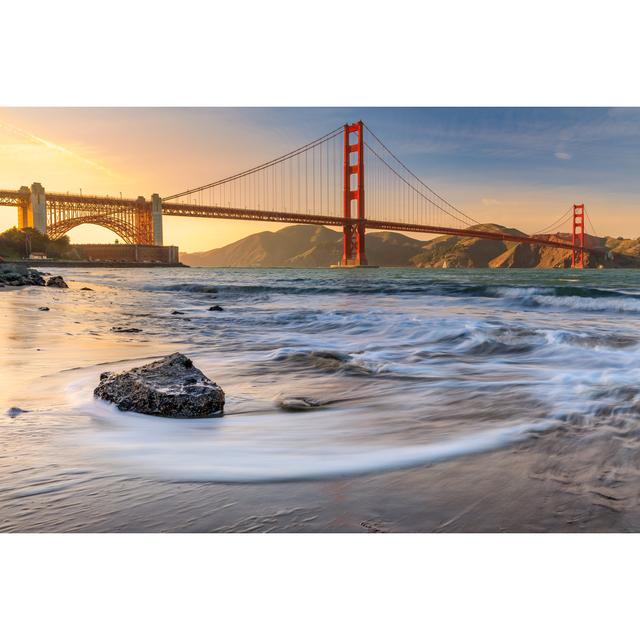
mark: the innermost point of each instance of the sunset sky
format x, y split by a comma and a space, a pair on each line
518, 167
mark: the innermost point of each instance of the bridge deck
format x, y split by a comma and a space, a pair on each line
14, 198
205, 211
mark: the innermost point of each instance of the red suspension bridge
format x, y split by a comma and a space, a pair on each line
320, 183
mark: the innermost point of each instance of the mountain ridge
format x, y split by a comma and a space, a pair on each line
309, 246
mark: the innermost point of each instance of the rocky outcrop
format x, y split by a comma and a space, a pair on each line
17, 275
57, 281
171, 387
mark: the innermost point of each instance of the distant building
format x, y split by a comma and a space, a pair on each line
37, 255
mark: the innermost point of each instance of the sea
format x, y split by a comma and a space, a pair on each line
356, 400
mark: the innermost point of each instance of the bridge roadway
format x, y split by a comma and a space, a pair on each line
117, 206
207, 211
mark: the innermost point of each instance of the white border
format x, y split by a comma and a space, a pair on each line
493, 53
286, 52
318, 587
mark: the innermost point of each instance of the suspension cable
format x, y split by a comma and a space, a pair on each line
590, 223
554, 225
264, 165
435, 204
426, 186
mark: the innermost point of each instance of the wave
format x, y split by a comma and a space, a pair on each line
327, 361
189, 287
607, 304
246, 465
527, 296
559, 291
178, 451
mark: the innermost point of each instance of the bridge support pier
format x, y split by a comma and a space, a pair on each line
577, 255
38, 208
156, 218
23, 207
353, 253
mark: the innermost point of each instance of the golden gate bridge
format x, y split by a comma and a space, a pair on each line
320, 183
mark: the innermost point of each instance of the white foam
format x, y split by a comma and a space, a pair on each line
269, 447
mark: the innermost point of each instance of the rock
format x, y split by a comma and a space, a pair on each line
299, 404
86, 289
57, 281
216, 307
125, 330
17, 275
15, 411
43, 308
177, 313
172, 387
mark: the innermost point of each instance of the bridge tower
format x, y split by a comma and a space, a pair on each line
23, 207
354, 254
577, 255
32, 209
156, 218
38, 208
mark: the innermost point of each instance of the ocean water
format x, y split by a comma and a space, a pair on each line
407, 369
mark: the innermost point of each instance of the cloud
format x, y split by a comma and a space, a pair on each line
30, 137
562, 155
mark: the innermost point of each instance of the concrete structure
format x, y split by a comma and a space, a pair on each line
38, 208
127, 253
156, 218
23, 207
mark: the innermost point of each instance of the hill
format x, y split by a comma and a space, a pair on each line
304, 246
315, 246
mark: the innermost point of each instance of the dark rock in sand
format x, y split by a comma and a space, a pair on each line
15, 411
170, 387
17, 275
43, 308
216, 307
125, 330
86, 289
57, 281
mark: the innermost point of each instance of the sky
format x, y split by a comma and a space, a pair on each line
521, 167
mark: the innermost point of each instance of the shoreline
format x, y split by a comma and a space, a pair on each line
70, 264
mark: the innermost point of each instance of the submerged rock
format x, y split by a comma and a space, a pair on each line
57, 281
299, 404
177, 313
12, 412
125, 330
216, 307
170, 387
